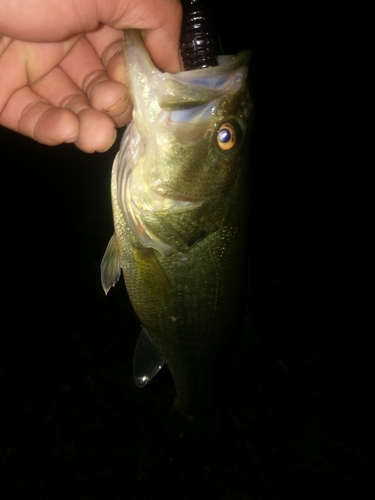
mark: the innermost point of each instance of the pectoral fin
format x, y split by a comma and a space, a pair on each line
147, 360
110, 266
151, 273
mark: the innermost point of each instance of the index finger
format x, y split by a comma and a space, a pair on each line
55, 21
160, 22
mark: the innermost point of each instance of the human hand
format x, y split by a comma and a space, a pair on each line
62, 73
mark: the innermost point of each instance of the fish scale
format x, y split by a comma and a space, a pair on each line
180, 217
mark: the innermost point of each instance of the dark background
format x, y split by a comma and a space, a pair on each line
74, 426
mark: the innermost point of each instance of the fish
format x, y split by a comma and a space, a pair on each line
179, 191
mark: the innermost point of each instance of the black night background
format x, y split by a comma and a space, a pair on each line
298, 417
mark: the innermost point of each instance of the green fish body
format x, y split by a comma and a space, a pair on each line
179, 197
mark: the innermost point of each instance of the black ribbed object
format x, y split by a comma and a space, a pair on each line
197, 44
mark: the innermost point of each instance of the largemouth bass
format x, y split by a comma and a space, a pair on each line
179, 186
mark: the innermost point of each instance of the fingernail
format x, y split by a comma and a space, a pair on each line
113, 141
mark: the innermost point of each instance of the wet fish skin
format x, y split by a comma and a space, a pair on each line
180, 215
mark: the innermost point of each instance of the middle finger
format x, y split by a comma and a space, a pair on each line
87, 71
96, 129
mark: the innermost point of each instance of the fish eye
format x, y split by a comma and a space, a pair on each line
226, 136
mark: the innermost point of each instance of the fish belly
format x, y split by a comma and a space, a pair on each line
191, 303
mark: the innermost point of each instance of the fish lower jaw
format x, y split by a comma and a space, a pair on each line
173, 199
161, 201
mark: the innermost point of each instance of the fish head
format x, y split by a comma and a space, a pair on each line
187, 140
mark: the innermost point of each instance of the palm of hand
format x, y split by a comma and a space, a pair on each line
69, 91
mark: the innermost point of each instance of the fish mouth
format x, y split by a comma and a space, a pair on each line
188, 198
183, 198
